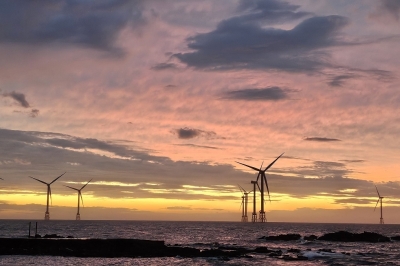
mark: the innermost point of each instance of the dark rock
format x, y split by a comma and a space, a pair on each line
293, 250
263, 237
311, 238
262, 250
287, 237
344, 236
276, 253
52, 236
326, 250
397, 238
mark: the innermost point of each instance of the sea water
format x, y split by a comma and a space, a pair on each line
205, 235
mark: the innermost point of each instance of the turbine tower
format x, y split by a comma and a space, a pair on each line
47, 214
254, 214
261, 173
80, 198
246, 201
242, 207
379, 199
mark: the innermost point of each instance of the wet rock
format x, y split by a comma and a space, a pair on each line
396, 238
326, 250
52, 236
311, 238
344, 236
262, 250
277, 253
286, 237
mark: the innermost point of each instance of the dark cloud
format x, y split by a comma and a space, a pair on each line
338, 81
197, 146
18, 97
387, 9
163, 66
189, 133
270, 11
320, 139
235, 44
265, 94
93, 23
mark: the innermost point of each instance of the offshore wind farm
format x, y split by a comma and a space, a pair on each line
158, 110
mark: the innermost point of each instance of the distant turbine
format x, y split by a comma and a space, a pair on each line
1, 178
242, 207
80, 198
47, 214
263, 179
246, 201
379, 199
254, 214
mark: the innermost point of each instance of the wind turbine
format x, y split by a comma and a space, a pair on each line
47, 214
263, 179
242, 207
80, 198
254, 214
379, 199
246, 201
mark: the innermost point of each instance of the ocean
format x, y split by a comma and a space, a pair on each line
205, 235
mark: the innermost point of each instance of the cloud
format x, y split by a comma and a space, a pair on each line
197, 146
387, 10
179, 208
271, 11
236, 44
265, 94
338, 81
94, 24
18, 97
164, 66
189, 133
34, 113
320, 139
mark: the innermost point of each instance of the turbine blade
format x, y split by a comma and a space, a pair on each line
376, 204
377, 191
51, 199
71, 187
248, 166
272, 163
81, 199
258, 177
244, 191
259, 189
57, 178
86, 184
266, 184
39, 180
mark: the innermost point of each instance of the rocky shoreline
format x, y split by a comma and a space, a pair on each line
54, 245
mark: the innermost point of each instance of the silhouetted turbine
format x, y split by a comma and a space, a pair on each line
263, 179
246, 201
379, 199
80, 198
47, 214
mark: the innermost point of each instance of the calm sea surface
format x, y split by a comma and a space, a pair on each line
212, 234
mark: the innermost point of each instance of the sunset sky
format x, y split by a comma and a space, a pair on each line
155, 100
